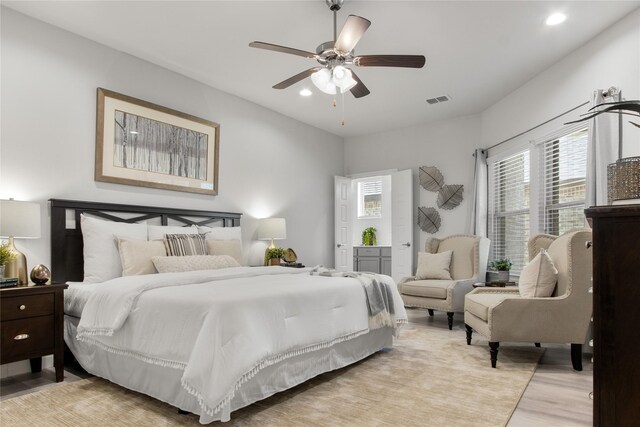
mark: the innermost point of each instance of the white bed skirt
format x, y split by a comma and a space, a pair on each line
164, 383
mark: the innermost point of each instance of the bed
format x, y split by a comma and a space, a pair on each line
212, 341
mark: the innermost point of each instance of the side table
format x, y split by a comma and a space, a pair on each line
292, 265
31, 325
493, 284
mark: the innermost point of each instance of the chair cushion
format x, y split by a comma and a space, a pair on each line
426, 288
479, 304
434, 266
538, 278
463, 261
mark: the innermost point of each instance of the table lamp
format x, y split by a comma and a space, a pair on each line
272, 229
19, 220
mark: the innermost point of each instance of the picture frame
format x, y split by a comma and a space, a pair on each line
144, 144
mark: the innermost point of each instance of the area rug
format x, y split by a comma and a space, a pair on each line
431, 377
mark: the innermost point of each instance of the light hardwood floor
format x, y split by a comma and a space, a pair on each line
556, 396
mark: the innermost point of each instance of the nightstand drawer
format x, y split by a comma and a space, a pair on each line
25, 338
20, 307
368, 251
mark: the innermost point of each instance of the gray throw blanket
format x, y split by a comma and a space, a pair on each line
379, 296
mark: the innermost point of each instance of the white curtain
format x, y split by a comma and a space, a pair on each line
602, 148
479, 197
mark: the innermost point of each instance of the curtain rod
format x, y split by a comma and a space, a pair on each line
537, 126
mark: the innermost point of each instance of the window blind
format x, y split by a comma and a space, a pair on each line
509, 203
563, 166
370, 198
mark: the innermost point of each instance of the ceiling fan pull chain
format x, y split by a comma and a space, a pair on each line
342, 108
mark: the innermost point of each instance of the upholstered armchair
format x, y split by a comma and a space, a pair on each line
501, 314
468, 266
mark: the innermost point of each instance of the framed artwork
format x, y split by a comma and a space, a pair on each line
144, 144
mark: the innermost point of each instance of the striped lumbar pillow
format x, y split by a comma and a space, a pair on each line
185, 244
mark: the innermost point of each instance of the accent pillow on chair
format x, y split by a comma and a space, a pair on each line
434, 266
538, 278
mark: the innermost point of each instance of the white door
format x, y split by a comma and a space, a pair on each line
401, 224
343, 248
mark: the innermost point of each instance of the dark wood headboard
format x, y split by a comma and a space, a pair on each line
67, 262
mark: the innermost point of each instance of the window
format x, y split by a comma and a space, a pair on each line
509, 189
563, 182
370, 198
516, 212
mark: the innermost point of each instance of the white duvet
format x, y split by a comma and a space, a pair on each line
221, 327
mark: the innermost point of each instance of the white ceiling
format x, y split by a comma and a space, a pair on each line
477, 51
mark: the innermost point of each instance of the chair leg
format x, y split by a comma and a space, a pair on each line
493, 346
537, 344
450, 319
576, 356
469, 332
430, 310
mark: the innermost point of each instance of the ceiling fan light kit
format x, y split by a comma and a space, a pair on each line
333, 56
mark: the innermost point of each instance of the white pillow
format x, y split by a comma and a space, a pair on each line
176, 264
221, 233
538, 278
434, 266
135, 255
157, 232
233, 248
101, 258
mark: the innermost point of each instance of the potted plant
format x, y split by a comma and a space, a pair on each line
369, 237
502, 266
272, 256
6, 255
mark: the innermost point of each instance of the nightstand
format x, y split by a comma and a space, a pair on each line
31, 324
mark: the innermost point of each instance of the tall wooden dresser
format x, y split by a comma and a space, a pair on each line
616, 315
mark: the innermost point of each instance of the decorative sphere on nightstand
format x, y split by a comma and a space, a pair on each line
40, 274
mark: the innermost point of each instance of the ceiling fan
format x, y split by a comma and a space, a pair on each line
333, 56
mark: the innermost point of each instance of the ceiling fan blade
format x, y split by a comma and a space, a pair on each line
351, 33
282, 49
406, 61
295, 79
360, 89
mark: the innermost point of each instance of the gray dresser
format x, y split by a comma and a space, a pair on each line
374, 259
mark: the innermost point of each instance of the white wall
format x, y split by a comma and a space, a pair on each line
270, 165
446, 144
268, 162
610, 59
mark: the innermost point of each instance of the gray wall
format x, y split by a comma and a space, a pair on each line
447, 144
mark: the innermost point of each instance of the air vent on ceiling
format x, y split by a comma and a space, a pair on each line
438, 99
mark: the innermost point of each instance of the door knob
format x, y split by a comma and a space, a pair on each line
339, 245
408, 244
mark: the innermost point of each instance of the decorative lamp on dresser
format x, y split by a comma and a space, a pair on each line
31, 324
616, 315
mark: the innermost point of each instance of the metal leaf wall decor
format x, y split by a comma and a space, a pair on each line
429, 219
431, 178
450, 196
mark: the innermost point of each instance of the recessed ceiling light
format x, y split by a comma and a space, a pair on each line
556, 18
306, 92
